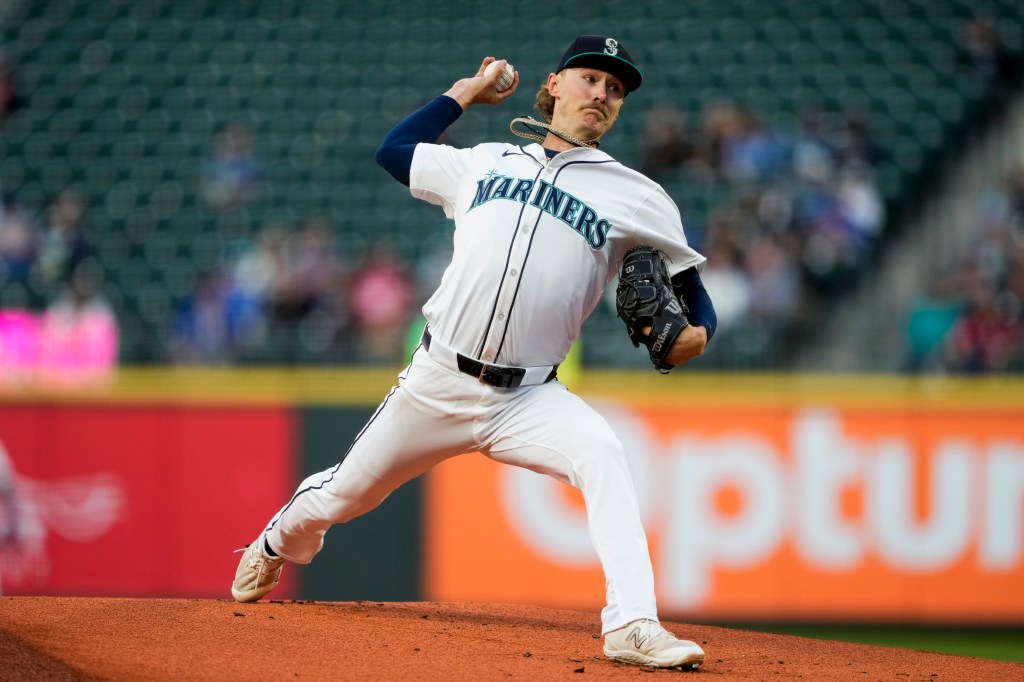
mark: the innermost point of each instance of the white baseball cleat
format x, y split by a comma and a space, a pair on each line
646, 642
258, 573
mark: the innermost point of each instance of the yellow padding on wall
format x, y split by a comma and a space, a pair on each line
349, 386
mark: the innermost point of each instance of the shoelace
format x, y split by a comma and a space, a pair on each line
257, 560
652, 631
657, 631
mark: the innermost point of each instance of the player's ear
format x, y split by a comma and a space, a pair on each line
553, 82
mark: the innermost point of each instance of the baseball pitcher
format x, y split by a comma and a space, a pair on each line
540, 231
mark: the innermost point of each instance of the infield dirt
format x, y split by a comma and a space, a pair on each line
78, 638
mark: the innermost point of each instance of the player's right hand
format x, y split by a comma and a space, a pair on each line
479, 89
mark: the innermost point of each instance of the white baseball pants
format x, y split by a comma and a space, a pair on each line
435, 413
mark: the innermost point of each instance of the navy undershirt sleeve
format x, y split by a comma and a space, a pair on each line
423, 125
689, 287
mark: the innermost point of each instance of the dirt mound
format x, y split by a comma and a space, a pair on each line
65, 638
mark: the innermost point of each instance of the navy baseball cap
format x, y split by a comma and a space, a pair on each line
606, 54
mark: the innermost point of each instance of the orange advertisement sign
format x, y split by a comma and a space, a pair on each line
851, 513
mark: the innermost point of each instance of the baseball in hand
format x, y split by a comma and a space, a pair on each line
506, 78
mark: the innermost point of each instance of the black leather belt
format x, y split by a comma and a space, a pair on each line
492, 375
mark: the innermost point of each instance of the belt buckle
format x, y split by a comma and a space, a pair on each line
502, 377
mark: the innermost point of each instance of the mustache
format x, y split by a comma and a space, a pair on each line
596, 107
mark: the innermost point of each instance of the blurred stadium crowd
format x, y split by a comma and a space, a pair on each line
201, 173
970, 318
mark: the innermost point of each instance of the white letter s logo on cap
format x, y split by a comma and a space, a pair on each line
611, 46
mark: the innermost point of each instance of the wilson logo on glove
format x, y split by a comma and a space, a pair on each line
644, 300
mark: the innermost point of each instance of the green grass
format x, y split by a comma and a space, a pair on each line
1001, 644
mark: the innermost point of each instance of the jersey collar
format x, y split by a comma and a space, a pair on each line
536, 150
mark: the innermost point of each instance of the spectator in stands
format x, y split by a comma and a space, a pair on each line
305, 305
985, 56
751, 152
1015, 220
830, 252
838, 213
861, 205
199, 328
18, 242
258, 273
932, 316
972, 317
380, 297
79, 333
667, 145
991, 245
1015, 274
725, 275
204, 328
813, 152
233, 175
988, 335
773, 275
63, 245
721, 123
312, 271
856, 143
773, 209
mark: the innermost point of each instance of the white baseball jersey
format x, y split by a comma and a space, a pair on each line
564, 223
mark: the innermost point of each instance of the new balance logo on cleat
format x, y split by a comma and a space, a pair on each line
645, 642
637, 639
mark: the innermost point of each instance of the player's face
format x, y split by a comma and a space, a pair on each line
587, 101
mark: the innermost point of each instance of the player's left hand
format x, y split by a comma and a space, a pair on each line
654, 316
690, 343
480, 88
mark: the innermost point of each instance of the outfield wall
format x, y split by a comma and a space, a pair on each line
765, 497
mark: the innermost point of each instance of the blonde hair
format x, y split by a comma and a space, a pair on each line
545, 102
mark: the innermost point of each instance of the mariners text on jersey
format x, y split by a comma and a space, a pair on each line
549, 199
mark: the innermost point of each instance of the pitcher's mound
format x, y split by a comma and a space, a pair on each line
64, 638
